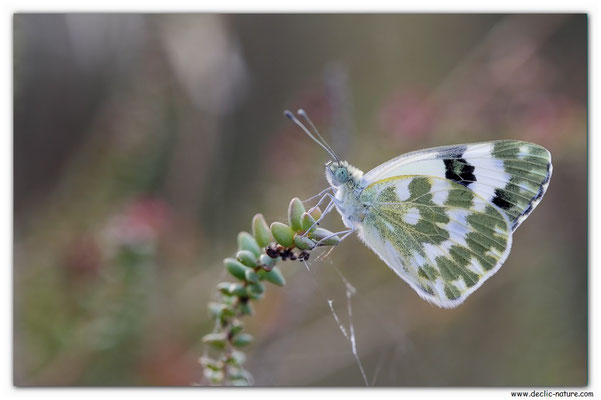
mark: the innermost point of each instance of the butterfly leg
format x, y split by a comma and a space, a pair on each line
318, 195
325, 196
346, 232
329, 208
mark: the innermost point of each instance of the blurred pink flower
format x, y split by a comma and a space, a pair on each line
147, 216
142, 221
408, 113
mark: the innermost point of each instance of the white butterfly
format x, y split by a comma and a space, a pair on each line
441, 218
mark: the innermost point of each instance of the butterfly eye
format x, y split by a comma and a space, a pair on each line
341, 175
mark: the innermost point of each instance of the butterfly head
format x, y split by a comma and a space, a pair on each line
340, 173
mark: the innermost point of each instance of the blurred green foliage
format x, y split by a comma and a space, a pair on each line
144, 143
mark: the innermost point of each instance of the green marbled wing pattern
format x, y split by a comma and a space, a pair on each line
513, 175
440, 237
529, 170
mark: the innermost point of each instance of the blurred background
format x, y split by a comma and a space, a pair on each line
144, 143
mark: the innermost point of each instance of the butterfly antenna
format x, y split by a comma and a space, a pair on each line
304, 128
303, 114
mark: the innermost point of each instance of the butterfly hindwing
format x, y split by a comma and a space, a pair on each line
442, 238
513, 175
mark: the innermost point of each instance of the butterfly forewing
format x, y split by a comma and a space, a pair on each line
512, 175
442, 238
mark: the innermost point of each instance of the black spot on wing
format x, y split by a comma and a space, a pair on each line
501, 199
459, 170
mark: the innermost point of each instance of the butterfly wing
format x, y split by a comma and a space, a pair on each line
513, 175
440, 237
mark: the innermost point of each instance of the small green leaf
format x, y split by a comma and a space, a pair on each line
216, 340
219, 310
320, 234
214, 376
236, 327
224, 287
282, 234
261, 231
227, 312
274, 276
247, 258
256, 288
237, 358
255, 291
254, 295
295, 210
210, 363
315, 213
303, 242
247, 242
235, 373
230, 300
267, 262
246, 308
215, 309
239, 382
251, 276
235, 268
241, 340
237, 289
308, 223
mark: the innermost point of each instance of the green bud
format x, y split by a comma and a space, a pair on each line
267, 262
210, 363
315, 213
224, 287
232, 299
274, 276
321, 233
247, 258
216, 340
255, 295
247, 242
303, 243
215, 309
308, 222
261, 231
295, 210
255, 291
235, 373
251, 276
256, 288
246, 308
237, 290
235, 268
227, 312
221, 311
242, 340
239, 382
282, 234
236, 327
236, 358
214, 376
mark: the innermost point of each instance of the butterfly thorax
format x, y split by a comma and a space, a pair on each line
347, 180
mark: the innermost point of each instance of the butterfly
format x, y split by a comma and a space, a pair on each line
441, 218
